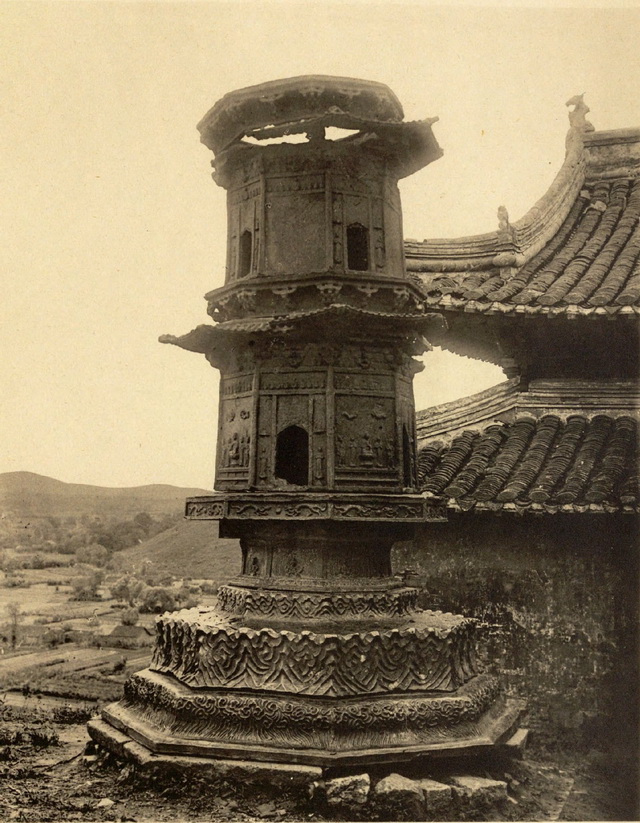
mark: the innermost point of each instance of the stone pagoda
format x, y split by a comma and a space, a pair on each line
315, 654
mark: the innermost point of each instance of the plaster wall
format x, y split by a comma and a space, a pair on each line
556, 598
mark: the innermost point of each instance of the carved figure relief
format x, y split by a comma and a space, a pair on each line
263, 460
318, 464
319, 416
367, 454
365, 434
292, 567
235, 451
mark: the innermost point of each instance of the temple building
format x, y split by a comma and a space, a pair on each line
539, 475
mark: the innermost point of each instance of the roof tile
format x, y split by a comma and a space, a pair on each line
544, 465
592, 262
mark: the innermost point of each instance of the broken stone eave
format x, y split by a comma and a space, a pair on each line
296, 98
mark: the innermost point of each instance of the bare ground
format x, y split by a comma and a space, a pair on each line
46, 776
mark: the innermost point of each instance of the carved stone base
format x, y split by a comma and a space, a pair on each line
313, 677
167, 717
331, 658
314, 655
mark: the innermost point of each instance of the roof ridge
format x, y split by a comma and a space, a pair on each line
474, 409
591, 157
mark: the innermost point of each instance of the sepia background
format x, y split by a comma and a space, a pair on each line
113, 229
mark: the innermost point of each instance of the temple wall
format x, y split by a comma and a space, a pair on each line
556, 598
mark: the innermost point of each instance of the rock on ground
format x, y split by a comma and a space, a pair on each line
437, 796
479, 791
398, 798
348, 792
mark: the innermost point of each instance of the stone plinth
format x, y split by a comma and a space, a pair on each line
326, 670
384, 682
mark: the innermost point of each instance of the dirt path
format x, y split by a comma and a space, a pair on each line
44, 658
41, 701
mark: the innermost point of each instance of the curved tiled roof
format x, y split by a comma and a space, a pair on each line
577, 252
543, 464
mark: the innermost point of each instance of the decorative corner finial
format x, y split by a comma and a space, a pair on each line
506, 231
504, 227
578, 115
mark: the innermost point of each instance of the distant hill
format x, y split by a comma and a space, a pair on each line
25, 494
190, 549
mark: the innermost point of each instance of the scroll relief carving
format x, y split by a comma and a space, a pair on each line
206, 511
300, 510
320, 509
390, 511
304, 605
277, 719
210, 652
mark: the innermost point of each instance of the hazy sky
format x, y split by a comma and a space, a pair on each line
113, 229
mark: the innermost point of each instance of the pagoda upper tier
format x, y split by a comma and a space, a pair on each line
576, 253
311, 166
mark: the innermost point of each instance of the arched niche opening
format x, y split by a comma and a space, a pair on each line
357, 247
407, 479
292, 456
244, 253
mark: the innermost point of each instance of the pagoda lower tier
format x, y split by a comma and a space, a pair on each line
314, 655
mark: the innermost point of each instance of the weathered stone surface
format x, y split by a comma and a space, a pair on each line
160, 711
431, 652
479, 791
548, 576
348, 792
517, 743
398, 798
315, 654
437, 796
281, 775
